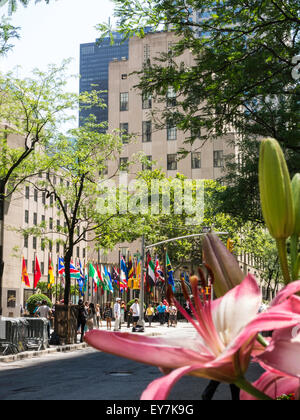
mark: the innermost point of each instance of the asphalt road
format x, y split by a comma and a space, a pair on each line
91, 375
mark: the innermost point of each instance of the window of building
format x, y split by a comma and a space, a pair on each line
26, 216
147, 131
42, 268
51, 200
124, 76
124, 132
44, 198
78, 252
171, 97
196, 160
27, 193
124, 164
57, 247
34, 241
171, 130
11, 298
218, 159
50, 223
147, 101
124, 101
83, 253
172, 162
35, 195
35, 219
25, 241
43, 244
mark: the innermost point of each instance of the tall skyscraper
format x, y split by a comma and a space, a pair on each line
94, 63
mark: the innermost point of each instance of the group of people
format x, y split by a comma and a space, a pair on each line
90, 316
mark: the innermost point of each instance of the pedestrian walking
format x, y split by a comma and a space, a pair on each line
82, 318
135, 310
98, 315
117, 315
45, 312
108, 315
172, 316
150, 314
123, 310
91, 319
161, 309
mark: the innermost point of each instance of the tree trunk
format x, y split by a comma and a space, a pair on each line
67, 278
2, 211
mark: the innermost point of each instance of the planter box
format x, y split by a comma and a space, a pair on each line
65, 323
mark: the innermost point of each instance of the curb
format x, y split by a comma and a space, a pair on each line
30, 354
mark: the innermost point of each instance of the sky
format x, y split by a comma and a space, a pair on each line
53, 32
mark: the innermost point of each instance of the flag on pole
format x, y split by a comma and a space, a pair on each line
61, 266
81, 279
159, 275
170, 273
51, 280
37, 273
108, 279
93, 274
130, 272
123, 276
151, 271
74, 272
25, 277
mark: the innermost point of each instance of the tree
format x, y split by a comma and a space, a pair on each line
30, 110
243, 76
76, 165
13, 4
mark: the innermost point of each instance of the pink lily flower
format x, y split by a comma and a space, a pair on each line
282, 356
226, 332
274, 386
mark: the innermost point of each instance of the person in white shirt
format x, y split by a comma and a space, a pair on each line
135, 310
117, 315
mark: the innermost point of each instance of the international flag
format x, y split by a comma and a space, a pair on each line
81, 279
37, 273
130, 270
93, 274
123, 276
25, 277
100, 279
74, 272
61, 266
151, 271
108, 279
159, 275
170, 273
138, 275
51, 280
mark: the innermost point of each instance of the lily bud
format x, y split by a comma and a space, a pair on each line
275, 190
225, 268
296, 198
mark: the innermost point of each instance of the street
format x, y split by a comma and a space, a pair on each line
90, 375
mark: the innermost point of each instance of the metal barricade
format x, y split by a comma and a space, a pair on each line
37, 333
11, 339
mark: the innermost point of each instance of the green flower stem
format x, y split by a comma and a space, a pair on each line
294, 257
246, 386
281, 246
262, 341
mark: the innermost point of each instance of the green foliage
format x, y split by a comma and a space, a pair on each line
34, 300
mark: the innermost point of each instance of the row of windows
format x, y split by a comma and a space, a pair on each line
171, 99
58, 246
218, 161
147, 131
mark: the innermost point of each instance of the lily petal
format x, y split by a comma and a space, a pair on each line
273, 385
283, 354
149, 350
285, 293
161, 387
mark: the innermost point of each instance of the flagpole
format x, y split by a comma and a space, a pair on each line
141, 322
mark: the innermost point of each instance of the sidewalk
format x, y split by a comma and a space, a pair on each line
182, 330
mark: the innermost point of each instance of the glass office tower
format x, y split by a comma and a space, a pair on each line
94, 64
